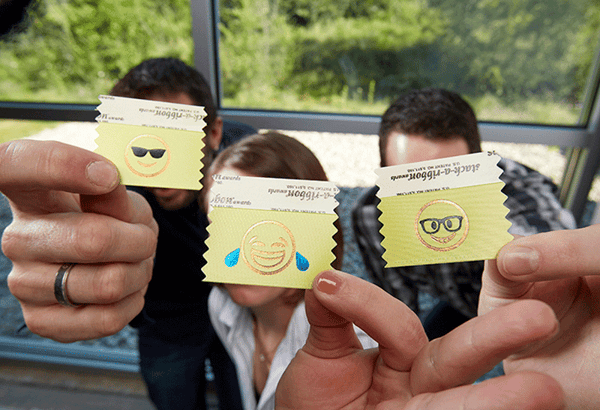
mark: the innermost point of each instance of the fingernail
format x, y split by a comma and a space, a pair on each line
102, 173
521, 261
328, 282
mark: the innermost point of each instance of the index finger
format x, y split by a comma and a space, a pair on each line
551, 255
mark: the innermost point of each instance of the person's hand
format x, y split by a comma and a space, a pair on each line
562, 269
332, 371
68, 208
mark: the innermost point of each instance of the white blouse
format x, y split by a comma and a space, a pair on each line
233, 324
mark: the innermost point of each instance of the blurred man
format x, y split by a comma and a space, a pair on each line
175, 333
430, 124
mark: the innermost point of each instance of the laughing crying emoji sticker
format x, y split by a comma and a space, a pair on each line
268, 247
269, 231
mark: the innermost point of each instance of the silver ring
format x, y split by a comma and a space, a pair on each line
60, 285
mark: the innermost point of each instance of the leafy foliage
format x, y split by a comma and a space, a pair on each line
515, 50
86, 45
303, 54
584, 49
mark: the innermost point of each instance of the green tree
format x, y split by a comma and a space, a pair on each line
321, 49
511, 48
389, 48
254, 42
76, 49
585, 48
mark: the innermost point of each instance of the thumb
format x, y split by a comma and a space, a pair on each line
496, 290
40, 177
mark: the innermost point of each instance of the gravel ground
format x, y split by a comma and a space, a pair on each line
349, 159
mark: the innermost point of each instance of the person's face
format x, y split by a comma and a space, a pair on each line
252, 296
173, 199
249, 295
405, 149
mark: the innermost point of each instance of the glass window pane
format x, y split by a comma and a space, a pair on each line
547, 160
515, 61
71, 51
591, 214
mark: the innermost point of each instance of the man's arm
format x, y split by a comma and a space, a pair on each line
532, 201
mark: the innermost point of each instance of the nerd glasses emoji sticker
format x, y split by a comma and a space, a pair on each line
268, 247
147, 156
442, 225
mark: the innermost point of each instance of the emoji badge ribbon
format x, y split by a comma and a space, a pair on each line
152, 143
147, 156
268, 231
268, 247
445, 210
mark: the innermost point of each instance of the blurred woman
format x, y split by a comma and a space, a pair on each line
263, 327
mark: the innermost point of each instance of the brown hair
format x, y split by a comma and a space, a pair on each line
170, 76
433, 113
275, 155
166, 76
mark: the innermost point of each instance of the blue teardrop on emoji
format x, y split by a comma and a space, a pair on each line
232, 258
301, 262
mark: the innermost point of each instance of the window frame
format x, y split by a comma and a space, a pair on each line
583, 159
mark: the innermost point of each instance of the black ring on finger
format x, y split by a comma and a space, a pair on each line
60, 285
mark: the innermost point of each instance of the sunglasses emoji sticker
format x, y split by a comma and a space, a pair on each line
441, 225
268, 247
147, 156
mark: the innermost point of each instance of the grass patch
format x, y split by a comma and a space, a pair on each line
535, 111
488, 108
271, 99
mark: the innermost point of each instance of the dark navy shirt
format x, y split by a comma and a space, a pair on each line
176, 306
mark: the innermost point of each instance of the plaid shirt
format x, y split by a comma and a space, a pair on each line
533, 207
